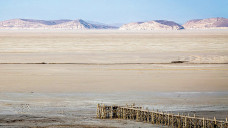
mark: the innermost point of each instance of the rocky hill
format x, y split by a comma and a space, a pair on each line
210, 23
52, 24
152, 25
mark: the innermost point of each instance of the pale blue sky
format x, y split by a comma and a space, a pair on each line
114, 11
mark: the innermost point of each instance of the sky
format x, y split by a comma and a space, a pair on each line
114, 11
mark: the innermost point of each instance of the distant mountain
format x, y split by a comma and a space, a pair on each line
210, 23
47, 22
79, 24
152, 25
52, 24
20, 24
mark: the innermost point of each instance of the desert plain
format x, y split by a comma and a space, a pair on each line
56, 78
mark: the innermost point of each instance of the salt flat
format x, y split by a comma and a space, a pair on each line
113, 61
79, 109
114, 46
112, 78
57, 110
84, 68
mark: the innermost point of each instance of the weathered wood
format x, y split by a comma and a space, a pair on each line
133, 112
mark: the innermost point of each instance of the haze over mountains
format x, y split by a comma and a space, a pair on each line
210, 23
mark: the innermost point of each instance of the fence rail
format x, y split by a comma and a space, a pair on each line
137, 113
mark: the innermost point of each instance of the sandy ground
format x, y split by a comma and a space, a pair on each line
111, 67
113, 78
114, 46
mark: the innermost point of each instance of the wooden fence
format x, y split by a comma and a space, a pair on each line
136, 113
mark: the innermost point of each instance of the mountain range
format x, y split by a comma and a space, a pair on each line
79, 24
51, 24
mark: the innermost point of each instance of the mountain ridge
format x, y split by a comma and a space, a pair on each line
79, 24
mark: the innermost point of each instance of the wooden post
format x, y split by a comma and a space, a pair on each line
105, 112
131, 114
215, 119
179, 121
124, 114
141, 113
172, 121
137, 115
168, 119
126, 111
159, 118
102, 111
162, 117
111, 112
226, 123
148, 116
152, 117
185, 120
203, 123
118, 112
98, 110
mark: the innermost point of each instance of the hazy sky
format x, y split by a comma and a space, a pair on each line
114, 11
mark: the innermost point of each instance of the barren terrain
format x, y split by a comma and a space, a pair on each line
56, 78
